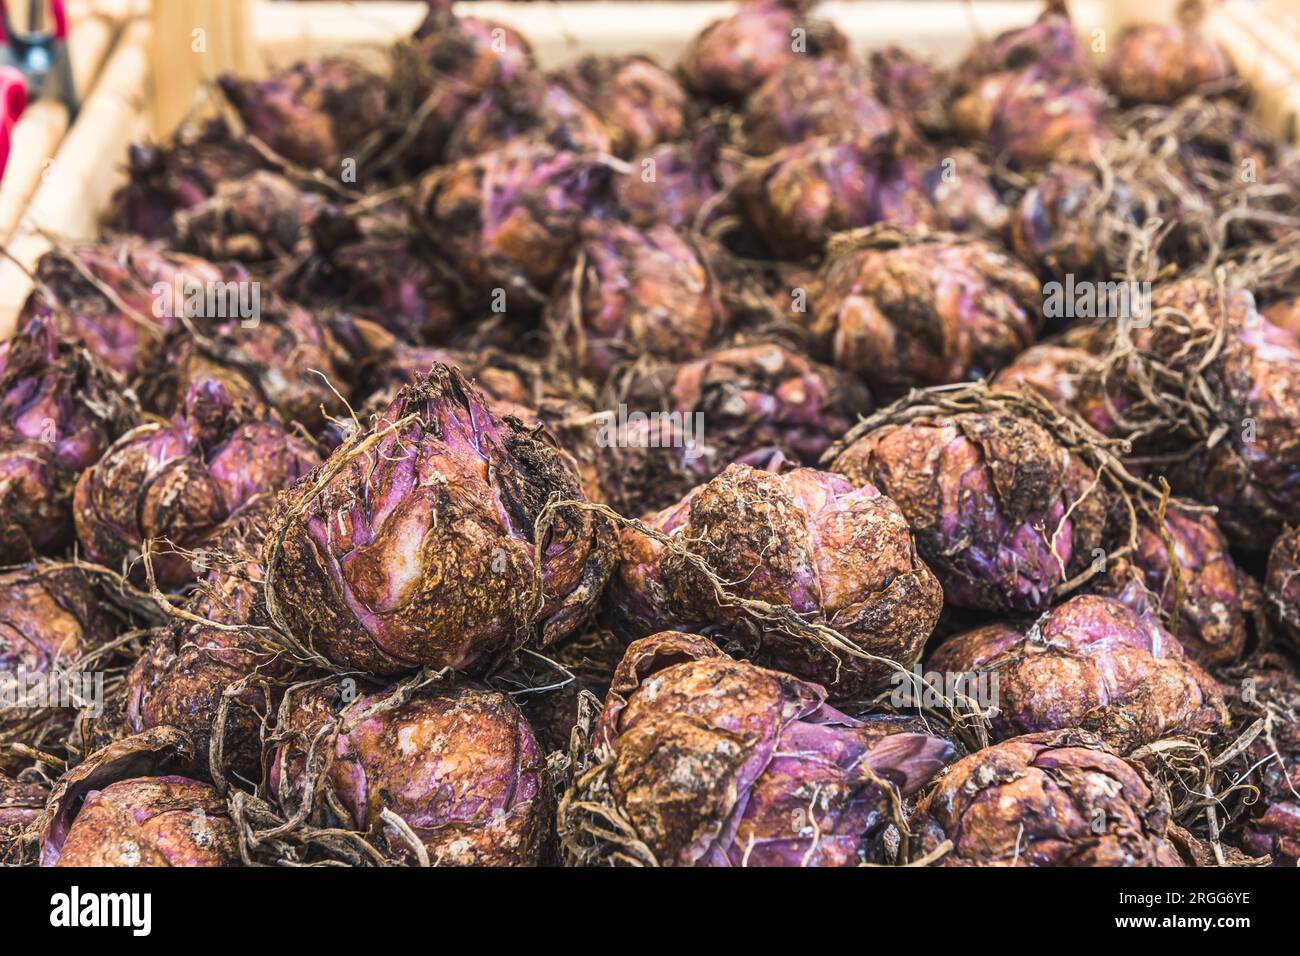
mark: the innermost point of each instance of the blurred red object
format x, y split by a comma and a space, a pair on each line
13, 100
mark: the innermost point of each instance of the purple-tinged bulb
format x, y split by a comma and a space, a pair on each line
1282, 584
1250, 471
748, 400
965, 201
165, 179
281, 355
799, 196
151, 822
50, 617
174, 483
639, 102
1199, 583
112, 297
370, 266
1163, 62
930, 313
913, 89
1030, 118
314, 112
810, 98
1051, 43
510, 219
1001, 510
459, 765
134, 803
1092, 663
448, 63
256, 218
532, 109
415, 543
707, 761
634, 293
59, 410
834, 553
672, 183
733, 56
1058, 798
181, 678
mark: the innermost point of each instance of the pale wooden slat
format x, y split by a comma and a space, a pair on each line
561, 31
173, 61
1263, 60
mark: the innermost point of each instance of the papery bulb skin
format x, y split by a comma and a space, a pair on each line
835, 553
175, 483
1069, 375
1055, 228
22, 799
413, 544
732, 57
931, 313
153, 822
312, 112
1051, 42
961, 189
1058, 798
59, 410
634, 293
912, 88
1163, 62
1001, 510
709, 761
1091, 662
460, 765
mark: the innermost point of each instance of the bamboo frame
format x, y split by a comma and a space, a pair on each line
38, 133
86, 170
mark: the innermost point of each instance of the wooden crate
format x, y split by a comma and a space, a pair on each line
155, 75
